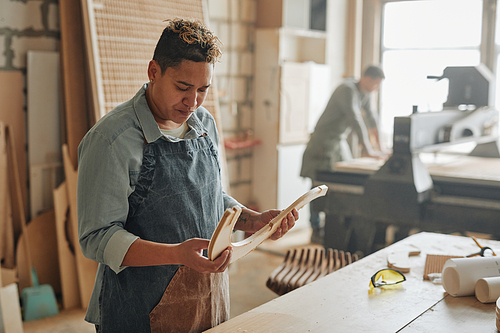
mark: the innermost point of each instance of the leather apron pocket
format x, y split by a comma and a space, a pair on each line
192, 302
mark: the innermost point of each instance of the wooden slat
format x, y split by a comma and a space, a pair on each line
12, 114
7, 245
16, 193
67, 261
74, 88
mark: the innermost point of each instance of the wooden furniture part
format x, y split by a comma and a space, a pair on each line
308, 266
7, 241
321, 266
86, 268
286, 262
341, 300
312, 266
284, 285
221, 238
400, 260
66, 251
280, 272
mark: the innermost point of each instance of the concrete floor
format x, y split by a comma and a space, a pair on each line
248, 289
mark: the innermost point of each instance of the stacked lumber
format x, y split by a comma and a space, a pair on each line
115, 40
305, 265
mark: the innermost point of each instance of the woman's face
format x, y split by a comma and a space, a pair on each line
175, 95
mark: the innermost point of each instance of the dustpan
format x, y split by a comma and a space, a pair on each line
38, 301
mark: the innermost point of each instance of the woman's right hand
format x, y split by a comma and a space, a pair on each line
190, 254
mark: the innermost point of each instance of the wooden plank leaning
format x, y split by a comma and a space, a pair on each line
86, 268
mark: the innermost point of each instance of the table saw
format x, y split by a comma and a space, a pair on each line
424, 184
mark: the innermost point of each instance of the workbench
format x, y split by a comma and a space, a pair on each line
465, 198
341, 302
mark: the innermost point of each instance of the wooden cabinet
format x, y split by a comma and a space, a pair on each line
292, 87
301, 14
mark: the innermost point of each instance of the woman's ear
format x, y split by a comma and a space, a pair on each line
153, 70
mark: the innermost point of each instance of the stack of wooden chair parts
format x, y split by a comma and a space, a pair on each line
305, 265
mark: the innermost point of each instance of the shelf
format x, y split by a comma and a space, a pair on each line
235, 143
303, 33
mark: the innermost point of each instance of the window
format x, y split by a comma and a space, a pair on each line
421, 38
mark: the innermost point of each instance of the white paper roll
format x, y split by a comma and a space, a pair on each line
488, 289
461, 274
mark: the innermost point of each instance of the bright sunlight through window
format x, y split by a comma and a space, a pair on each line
421, 38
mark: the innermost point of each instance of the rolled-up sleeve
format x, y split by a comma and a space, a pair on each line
102, 201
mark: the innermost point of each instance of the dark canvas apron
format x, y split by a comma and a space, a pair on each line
178, 196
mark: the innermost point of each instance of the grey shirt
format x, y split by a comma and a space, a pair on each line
110, 158
342, 114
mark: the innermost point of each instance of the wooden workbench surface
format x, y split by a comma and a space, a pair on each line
440, 166
341, 302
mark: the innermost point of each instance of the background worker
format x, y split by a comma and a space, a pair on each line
150, 197
328, 144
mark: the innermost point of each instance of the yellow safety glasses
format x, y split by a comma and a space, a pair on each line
386, 277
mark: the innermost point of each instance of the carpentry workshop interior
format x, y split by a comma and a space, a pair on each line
374, 120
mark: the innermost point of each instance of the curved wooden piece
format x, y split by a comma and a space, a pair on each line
223, 232
312, 269
329, 265
284, 283
348, 258
303, 269
272, 278
221, 238
342, 259
279, 278
320, 267
336, 261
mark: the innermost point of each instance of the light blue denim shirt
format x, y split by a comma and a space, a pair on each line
109, 162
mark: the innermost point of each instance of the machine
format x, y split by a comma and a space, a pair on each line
408, 193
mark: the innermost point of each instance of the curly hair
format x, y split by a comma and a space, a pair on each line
185, 39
